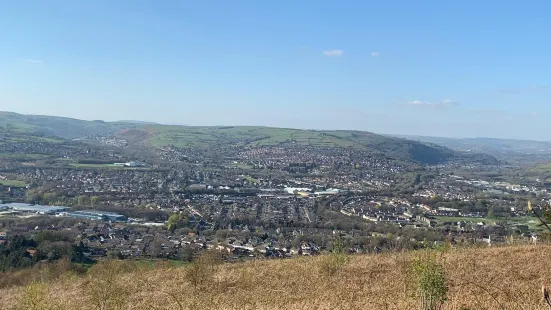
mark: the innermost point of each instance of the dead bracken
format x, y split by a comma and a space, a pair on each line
489, 278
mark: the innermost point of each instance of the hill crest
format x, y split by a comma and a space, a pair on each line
155, 135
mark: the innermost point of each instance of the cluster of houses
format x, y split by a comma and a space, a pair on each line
246, 189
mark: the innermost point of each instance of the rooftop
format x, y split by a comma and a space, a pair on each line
32, 208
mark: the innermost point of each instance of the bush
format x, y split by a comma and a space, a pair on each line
34, 298
431, 280
200, 273
333, 263
103, 287
42, 272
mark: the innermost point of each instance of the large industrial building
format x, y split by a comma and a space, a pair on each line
36, 209
25, 208
96, 215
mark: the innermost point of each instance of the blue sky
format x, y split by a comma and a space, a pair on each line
462, 69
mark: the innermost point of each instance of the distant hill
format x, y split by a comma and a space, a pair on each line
55, 126
138, 122
203, 137
144, 134
518, 152
487, 145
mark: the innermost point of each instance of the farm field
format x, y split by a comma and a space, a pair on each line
96, 166
15, 183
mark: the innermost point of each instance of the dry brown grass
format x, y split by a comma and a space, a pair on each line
43, 272
490, 278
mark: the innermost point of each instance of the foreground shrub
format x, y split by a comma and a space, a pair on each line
431, 280
333, 263
42, 272
104, 287
34, 297
200, 273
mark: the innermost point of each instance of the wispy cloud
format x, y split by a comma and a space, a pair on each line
417, 102
443, 103
448, 102
333, 53
375, 54
32, 61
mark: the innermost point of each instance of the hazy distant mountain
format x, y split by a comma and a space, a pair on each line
54, 126
150, 134
138, 122
486, 145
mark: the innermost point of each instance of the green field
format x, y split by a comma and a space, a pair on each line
198, 137
105, 166
250, 179
22, 156
96, 166
465, 219
532, 222
242, 166
542, 170
15, 183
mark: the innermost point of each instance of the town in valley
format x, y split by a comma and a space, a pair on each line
151, 192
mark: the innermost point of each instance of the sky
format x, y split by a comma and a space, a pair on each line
438, 68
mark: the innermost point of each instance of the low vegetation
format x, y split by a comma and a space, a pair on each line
484, 278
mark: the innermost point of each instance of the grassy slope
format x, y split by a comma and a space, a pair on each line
257, 136
205, 137
542, 171
54, 126
488, 278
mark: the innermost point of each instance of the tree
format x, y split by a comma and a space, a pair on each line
49, 198
77, 252
417, 179
32, 196
82, 200
114, 254
94, 200
173, 221
186, 253
15, 254
491, 213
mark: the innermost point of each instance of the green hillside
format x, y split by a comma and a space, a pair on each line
54, 126
152, 135
205, 137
